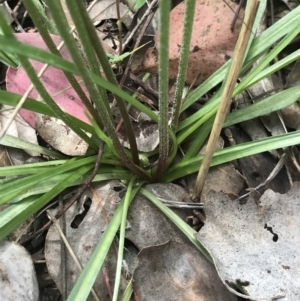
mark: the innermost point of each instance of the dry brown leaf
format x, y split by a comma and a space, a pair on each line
175, 271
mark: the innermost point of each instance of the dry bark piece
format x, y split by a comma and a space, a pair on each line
212, 41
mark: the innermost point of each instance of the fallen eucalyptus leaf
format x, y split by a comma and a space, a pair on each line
256, 245
175, 271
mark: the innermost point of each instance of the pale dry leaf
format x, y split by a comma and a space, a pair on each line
107, 9
19, 128
18, 278
224, 178
100, 200
257, 168
291, 116
256, 244
147, 225
273, 121
146, 135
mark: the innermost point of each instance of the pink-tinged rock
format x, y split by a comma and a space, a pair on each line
212, 42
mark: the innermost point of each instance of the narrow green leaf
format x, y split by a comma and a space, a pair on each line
91, 42
259, 46
228, 154
12, 99
266, 106
14, 188
41, 10
32, 52
122, 239
12, 141
128, 292
182, 225
88, 276
7, 31
34, 9
183, 61
14, 215
106, 174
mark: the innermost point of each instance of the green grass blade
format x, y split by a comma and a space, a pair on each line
27, 169
34, 11
260, 44
268, 58
82, 20
182, 225
50, 26
15, 142
98, 94
122, 239
43, 92
46, 185
13, 46
18, 186
192, 123
14, 215
266, 106
88, 276
228, 154
128, 292
275, 67
183, 61
12, 99
33, 168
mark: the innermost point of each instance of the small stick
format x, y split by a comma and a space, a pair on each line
69, 248
272, 175
236, 15
225, 102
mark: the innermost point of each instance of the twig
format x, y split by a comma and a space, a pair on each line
148, 11
225, 102
236, 15
69, 248
119, 26
271, 176
137, 43
143, 85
